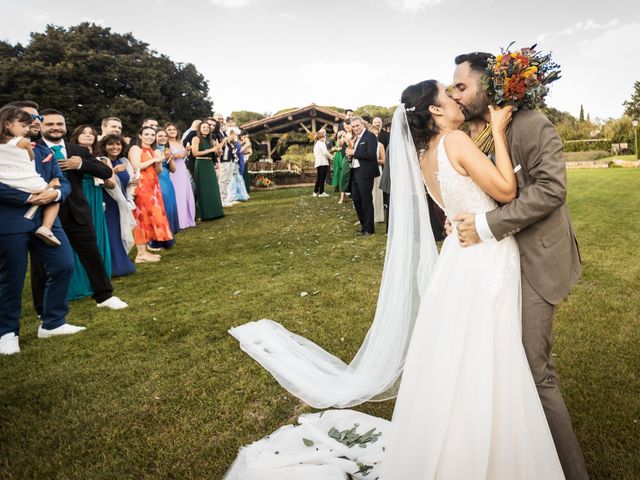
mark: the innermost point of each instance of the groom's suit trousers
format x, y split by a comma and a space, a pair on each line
537, 338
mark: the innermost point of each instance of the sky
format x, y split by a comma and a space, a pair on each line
267, 55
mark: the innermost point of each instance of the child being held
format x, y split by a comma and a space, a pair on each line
18, 170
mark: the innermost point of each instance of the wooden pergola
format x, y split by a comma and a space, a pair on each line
309, 119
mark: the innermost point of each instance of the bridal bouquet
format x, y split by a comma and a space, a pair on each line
519, 78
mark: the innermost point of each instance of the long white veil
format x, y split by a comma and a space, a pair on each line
322, 380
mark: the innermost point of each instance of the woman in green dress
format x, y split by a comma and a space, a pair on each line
207, 188
337, 165
80, 287
344, 177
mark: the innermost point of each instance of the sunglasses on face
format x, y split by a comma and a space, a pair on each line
36, 117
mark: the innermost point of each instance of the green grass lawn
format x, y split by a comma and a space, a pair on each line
162, 391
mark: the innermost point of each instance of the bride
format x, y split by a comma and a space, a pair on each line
467, 407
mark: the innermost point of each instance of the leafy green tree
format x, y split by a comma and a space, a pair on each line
632, 106
243, 116
619, 130
581, 118
89, 73
369, 112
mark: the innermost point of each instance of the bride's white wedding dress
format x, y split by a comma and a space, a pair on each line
467, 407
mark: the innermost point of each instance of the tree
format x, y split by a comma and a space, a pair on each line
369, 112
632, 106
581, 118
243, 116
89, 73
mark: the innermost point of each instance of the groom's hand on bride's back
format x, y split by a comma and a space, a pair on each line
466, 227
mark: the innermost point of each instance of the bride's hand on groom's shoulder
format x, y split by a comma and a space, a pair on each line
500, 117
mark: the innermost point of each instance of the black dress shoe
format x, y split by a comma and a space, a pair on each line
366, 234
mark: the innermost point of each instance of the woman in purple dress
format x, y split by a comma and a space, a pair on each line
185, 200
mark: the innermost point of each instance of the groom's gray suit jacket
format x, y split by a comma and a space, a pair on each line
538, 217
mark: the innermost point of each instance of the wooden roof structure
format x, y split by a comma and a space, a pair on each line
309, 119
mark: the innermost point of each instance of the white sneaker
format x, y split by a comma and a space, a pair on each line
65, 329
315, 194
9, 344
323, 194
114, 303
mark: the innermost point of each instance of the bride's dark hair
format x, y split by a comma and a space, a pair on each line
417, 99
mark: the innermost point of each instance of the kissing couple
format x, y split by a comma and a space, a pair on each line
462, 337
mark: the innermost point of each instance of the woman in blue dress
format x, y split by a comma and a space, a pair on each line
168, 191
80, 286
119, 204
237, 191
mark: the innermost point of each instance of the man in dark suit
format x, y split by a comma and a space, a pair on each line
364, 168
75, 213
17, 238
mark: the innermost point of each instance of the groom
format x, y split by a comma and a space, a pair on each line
539, 220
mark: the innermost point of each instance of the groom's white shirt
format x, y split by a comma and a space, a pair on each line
482, 227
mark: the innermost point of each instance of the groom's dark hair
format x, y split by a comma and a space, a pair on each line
478, 61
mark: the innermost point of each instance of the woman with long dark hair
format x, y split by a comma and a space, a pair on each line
203, 148
119, 204
151, 219
185, 202
80, 287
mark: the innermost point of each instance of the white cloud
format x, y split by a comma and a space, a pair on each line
581, 26
405, 5
230, 3
599, 73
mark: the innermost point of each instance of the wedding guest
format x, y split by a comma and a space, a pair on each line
322, 157
86, 136
18, 169
383, 135
17, 238
341, 167
348, 115
151, 219
364, 168
76, 213
185, 201
119, 204
110, 126
246, 150
166, 186
378, 201
150, 122
225, 162
348, 143
383, 138
209, 204
191, 160
192, 128
80, 287
237, 191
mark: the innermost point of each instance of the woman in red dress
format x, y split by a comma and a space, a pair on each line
151, 219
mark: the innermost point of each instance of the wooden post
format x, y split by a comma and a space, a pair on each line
313, 124
269, 147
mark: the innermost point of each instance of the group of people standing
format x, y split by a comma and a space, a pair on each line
78, 206
358, 159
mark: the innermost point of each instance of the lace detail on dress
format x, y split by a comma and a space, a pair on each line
460, 194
